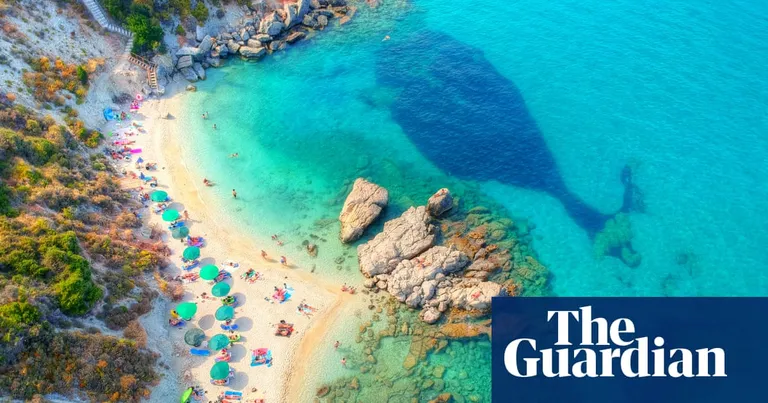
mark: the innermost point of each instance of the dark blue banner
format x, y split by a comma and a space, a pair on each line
617, 350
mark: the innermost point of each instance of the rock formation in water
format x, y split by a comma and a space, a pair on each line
440, 202
404, 260
362, 207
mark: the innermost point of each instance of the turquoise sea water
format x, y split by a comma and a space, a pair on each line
536, 105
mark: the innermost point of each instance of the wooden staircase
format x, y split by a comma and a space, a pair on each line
148, 66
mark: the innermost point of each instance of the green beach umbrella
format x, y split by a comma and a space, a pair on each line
225, 313
158, 196
194, 337
191, 253
209, 272
220, 289
220, 371
218, 342
171, 215
180, 232
186, 395
186, 310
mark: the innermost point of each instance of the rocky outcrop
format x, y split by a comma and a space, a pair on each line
414, 281
403, 238
362, 207
404, 261
252, 53
472, 294
440, 202
272, 28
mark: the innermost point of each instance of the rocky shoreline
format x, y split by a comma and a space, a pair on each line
261, 32
412, 261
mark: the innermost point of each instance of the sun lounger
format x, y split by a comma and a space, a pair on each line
199, 352
190, 265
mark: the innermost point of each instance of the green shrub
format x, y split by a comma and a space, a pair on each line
82, 75
200, 13
180, 30
148, 33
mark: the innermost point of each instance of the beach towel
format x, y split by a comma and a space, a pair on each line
261, 356
229, 327
136, 151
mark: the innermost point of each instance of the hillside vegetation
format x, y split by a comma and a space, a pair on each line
67, 249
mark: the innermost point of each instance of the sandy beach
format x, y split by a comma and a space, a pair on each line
255, 316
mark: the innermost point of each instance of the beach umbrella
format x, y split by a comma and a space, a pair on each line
194, 337
171, 215
186, 395
209, 272
159, 196
225, 313
186, 310
180, 232
218, 342
220, 371
191, 253
220, 289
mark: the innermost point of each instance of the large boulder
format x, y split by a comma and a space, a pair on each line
361, 208
189, 74
184, 62
200, 33
206, 44
414, 279
291, 18
296, 36
189, 51
271, 25
263, 38
403, 238
440, 202
303, 8
473, 294
199, 70
251, 52
233, 46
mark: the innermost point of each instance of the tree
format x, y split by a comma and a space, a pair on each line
200, 13
148, 33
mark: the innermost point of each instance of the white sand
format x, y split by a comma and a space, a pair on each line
256, 317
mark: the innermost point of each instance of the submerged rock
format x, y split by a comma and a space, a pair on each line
403, 238
362, 207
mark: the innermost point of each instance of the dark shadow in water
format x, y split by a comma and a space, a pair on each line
473, 123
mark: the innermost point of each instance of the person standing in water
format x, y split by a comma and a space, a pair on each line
336, 345
234, 193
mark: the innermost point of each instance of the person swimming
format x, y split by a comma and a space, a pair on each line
235, 155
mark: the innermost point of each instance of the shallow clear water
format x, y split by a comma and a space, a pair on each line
537, 105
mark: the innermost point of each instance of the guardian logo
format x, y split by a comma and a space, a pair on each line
623, 349
660, 350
